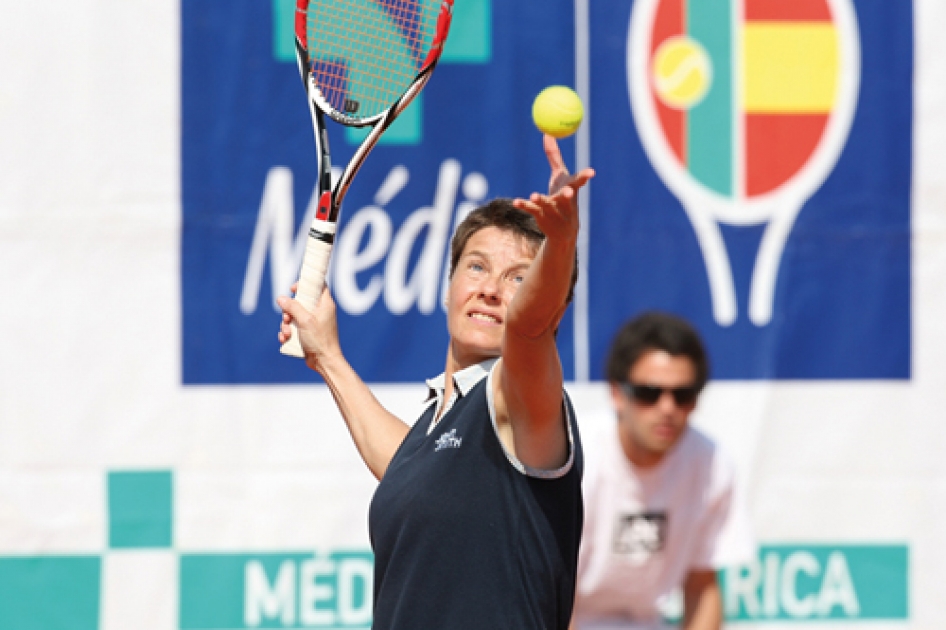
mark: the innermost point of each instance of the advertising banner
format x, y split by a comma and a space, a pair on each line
754, 166
768, 169
248, 171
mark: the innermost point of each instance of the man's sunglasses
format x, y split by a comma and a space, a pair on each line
648, 395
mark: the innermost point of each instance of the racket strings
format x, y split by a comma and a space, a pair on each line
364, 32
366, 53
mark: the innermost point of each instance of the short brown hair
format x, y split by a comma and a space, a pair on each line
501, 214
655, 330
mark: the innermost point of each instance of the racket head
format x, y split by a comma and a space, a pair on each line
358, 57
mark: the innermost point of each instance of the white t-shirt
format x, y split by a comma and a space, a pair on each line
645, 529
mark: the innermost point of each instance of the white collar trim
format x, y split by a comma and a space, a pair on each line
464, 380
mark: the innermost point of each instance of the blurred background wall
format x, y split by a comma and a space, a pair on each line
778, 183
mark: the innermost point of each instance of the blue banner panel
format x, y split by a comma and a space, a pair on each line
249, 168
773, 214
789, 247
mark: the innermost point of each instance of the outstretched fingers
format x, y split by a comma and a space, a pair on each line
539, 205
581, 178
554, 154
557, 212
559, 177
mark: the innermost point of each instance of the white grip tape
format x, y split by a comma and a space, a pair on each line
311, 280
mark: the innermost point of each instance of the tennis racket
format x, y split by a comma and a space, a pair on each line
362, 63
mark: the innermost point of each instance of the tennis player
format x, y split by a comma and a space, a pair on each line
477, 518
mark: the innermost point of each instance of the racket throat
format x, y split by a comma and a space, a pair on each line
324, 211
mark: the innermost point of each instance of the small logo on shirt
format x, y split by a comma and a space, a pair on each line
448, 440
639, 536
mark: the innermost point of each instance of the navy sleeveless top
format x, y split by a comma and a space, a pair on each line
464, 539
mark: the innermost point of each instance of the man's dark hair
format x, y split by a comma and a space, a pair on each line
656, 331
500, 213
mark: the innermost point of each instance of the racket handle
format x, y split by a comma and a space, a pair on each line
318, 251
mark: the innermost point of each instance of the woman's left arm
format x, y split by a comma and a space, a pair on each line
529, 380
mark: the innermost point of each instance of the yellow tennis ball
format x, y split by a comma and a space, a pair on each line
557, 111
682, 72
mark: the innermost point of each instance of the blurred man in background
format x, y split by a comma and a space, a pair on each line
661, 513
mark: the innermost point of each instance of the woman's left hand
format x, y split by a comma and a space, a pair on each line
557, 212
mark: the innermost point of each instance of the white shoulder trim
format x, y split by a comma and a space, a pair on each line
538, 473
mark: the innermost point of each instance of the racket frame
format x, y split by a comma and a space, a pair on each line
321, 236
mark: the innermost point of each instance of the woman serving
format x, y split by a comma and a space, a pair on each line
476, 521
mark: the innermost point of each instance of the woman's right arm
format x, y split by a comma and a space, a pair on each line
377, 433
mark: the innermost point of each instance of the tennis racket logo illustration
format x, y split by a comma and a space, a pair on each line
743, 107
362, 63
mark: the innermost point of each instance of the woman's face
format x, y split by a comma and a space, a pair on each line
493, 264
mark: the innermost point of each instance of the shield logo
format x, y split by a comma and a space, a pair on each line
743, 108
